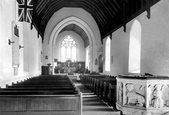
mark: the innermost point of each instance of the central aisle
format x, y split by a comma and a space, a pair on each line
92, 105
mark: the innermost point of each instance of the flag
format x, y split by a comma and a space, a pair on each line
25, 10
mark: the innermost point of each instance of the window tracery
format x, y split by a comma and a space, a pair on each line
68, 49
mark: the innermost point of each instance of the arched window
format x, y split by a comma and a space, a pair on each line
107, 55
87, 58
68, 49
135, 47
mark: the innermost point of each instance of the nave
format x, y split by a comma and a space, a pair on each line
51, 95
108, 37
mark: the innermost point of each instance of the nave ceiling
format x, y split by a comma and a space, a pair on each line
108, 14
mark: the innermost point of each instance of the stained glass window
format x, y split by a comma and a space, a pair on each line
68, 49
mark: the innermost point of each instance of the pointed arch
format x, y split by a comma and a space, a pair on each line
72, 20
93, 35
135, 47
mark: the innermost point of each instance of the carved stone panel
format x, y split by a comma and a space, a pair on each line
135, 94
143, 95
159, 95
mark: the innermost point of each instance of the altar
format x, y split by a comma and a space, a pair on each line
143, 95
69, 69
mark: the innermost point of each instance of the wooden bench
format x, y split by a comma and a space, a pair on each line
34, 98
103, 86
40, 104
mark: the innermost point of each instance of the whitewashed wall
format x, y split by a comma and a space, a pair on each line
28, 56
154, 43
155, 40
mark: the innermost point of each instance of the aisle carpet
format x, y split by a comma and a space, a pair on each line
92, 105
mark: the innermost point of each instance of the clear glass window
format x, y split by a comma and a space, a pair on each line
68, 49
107, 55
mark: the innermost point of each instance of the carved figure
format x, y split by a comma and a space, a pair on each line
134, 98
157, 100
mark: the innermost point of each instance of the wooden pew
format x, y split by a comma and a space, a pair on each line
40, 104
103, 86
111, 96
34, 98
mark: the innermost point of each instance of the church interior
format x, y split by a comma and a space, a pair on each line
84, 57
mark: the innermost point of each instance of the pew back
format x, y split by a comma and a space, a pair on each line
43, 95
41, 105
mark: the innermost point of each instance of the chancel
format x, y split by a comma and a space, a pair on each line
84, 57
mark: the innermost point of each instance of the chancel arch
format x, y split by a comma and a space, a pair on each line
135, 47
86, 28
68, 21
62, 19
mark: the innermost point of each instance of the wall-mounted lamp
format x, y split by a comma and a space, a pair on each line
21, 46
10, 42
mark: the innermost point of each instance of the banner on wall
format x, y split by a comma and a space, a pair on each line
25, 10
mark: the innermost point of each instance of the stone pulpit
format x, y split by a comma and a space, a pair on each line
143, 95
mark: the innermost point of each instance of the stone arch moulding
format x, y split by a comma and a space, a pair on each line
72, 20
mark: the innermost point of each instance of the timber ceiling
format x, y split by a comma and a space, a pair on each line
108, 14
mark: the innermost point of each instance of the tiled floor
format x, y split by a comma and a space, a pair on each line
92, 105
